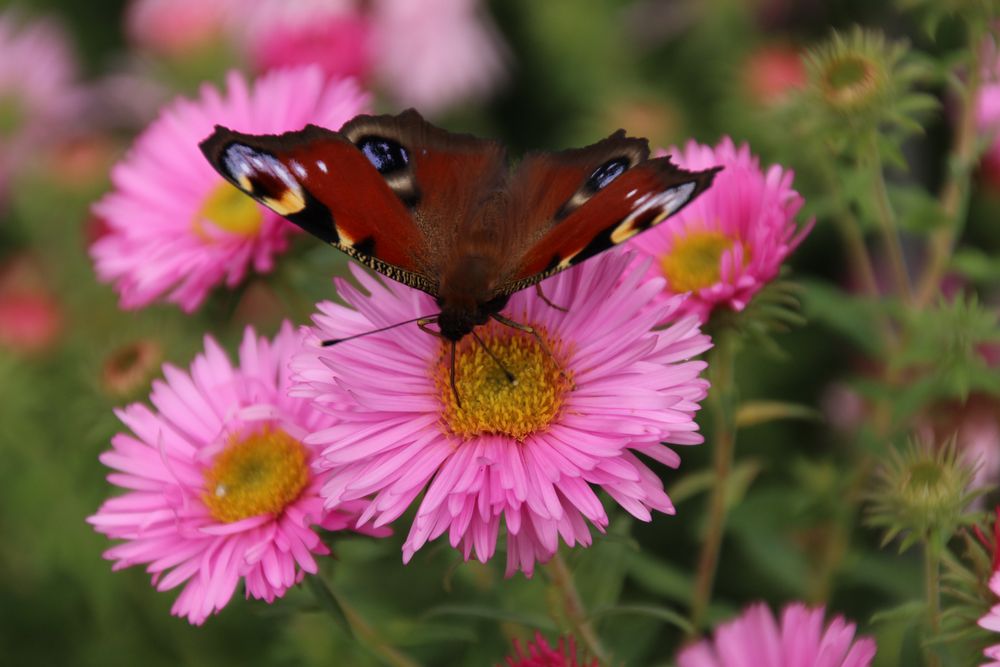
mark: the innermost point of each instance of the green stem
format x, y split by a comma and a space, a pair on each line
722, 399
888, 225
573, 607
955, 193
361, 630
932, 589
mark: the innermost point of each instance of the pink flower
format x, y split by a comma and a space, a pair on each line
991, 621
39, 97
219, 486
437, 53
988, 114
177, 228
328, 33
31, 317
730, 242
525, 454
540, 654
177, 27
801, 640
772, 72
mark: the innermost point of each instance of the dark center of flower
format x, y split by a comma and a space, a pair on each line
230, 210
259, 474
129, 366
693, 261
490, 403
849, 81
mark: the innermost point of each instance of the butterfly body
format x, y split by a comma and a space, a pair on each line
445, 212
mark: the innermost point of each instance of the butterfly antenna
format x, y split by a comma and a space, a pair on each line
529, 330
454, 389
496, 360
336, 341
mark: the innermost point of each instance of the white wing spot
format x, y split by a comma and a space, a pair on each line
299, 170
663, 203
321, 165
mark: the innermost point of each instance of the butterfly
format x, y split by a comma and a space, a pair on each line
446, 213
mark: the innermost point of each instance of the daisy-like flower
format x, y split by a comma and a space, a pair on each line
176, 228
988, 113
540, 654
730, 242
596, 387
437, 53
39, 96
800, 639
991, 620
218, 482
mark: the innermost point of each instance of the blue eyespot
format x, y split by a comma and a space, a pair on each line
607, 172
385, 155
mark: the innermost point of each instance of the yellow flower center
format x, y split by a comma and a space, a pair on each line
230, 210
693, 262
258, 474
492, 404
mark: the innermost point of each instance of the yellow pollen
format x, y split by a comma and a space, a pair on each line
258, 474
491, 404
693, 262
230, 210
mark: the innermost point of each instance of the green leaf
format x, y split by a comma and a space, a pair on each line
652, 611
919, 212
493, 614
753, 413
660, 577
329, 603
851, 316
976, 265
907, 612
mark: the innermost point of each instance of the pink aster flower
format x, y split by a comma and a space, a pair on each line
219, 485
176, 228
176, 27
991, 621
800, 640
436, 53
540, 654
730, 242
39, 96
526, 454
329, 33
988, 113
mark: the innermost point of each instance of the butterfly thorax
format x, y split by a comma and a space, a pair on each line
467, 296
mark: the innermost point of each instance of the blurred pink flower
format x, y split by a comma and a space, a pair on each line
730, 242
801, 640
40, 100
526, 454
31, 317
333, 34
176, 228
988, 114
772, 72
991, 621
539, 653
437, 53
218, 482
177, 27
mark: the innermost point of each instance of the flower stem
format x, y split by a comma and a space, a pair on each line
932, 589
573, 607
888, 224
360, 629
722, 398
955, 193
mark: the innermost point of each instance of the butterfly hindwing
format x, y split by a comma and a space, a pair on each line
619, 194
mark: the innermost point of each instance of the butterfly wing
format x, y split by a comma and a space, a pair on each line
384, 189
575, 204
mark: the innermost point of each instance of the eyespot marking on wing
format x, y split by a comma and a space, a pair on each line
652, 209
392, 160
603, 176
264, 177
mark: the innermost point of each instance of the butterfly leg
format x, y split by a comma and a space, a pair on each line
541, 295
496, 360
423, 322
529, 330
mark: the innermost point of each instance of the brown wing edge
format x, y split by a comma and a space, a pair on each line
676, 177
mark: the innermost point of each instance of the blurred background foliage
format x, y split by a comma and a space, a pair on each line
668, 70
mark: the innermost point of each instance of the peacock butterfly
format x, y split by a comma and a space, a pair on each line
445, 213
